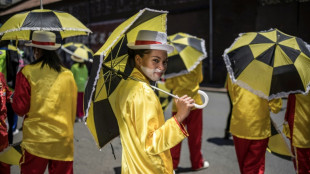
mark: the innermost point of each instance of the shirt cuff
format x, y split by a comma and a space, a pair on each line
181, 126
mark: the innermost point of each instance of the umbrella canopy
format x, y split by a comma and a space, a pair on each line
271, 64
277, 144
12, 154
20, 26
164, 98
78, 50
188, 52
109, 62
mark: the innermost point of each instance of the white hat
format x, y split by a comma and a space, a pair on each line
153, 40
44, 39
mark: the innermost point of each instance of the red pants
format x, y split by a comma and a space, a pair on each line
302, 160
31, 164
80, 107
194, 128
5, 168
251, 155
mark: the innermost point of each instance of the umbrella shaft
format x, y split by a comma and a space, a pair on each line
154, 87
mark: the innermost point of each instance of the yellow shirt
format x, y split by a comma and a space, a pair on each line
250, 113
48, 126
298, 109
146, 137
187, 84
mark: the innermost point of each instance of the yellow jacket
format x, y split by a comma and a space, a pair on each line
187, 84
250, 113
146, 137
50, 111
298, 113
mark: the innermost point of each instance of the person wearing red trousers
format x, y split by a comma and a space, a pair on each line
297, 129
250, 126
188, 84
45, 94
5, 94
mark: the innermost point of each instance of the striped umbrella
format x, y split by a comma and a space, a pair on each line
80, 51
109, 69
21, 25
164, 98
188, 52
12, 154
271, 64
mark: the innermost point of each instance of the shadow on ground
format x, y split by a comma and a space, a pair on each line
221, 141
117, 170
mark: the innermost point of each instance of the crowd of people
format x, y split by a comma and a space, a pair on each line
49, 97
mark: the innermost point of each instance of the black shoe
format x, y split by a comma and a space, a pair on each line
227, 136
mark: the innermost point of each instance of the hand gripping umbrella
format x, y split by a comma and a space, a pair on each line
188, 52
78, 50
110, 68
21, 25
271, 64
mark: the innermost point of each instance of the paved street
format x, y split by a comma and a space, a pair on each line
220, 153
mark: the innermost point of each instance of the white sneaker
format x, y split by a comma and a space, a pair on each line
16, 131
205, 166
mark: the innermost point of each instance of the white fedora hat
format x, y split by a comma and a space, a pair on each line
153, 40
44, 39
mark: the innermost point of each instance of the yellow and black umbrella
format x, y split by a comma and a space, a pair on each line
21, 25
80, 51
164, 98
109, 69
188, 52
12, 154
270, 63
277, 144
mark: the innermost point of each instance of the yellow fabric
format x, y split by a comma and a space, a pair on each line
48, 128
301, 129
11, 156
157, 23
303, 72
250, 114
257, 81
146, 137
187, 84
246, 39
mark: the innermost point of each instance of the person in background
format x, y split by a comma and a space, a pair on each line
189, 84
297, 129
145, 135
5, 95
80, 74
45, 92
251, 127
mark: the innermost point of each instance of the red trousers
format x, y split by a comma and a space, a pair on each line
80, 107
251, 155
302, 160
5, 168
31, 164
194, 128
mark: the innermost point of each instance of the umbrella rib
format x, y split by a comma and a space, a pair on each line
107, 73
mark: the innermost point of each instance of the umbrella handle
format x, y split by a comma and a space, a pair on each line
206, 99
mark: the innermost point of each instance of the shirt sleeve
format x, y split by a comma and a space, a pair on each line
275, 105
21, 97
155, 135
